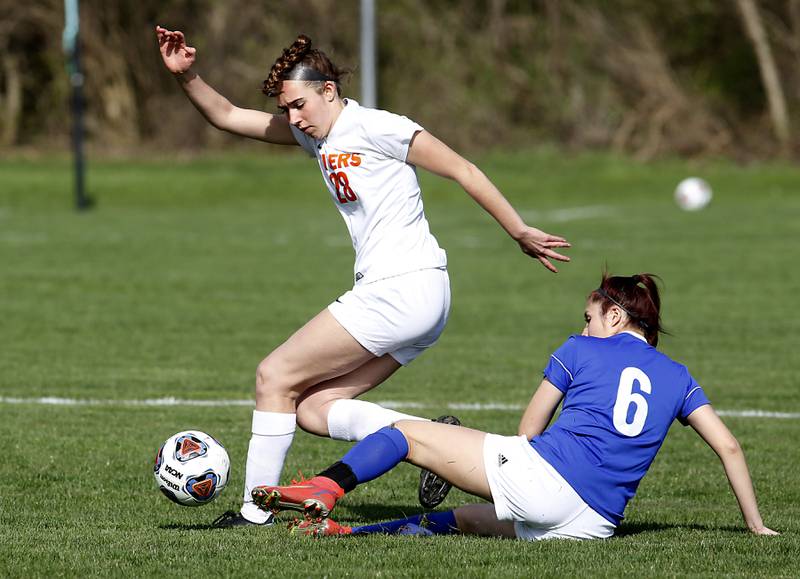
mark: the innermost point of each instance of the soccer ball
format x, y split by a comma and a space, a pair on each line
692, 194
192, 468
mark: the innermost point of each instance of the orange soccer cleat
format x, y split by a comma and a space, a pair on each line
319, 528
315, 497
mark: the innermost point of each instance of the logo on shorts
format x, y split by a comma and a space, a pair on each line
359, 275
501, 460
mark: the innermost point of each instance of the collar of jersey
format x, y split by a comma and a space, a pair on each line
635, 335
344, 120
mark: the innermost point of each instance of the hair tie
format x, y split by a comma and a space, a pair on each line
307, 73
603, 293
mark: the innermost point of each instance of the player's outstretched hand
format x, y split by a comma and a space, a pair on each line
178, 58
764, 531
538, 244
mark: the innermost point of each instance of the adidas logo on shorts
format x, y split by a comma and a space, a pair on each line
501, 460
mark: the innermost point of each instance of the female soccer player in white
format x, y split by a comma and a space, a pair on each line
620, 395
401, 298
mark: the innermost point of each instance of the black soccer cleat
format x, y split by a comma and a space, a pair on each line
432, 488
230, 519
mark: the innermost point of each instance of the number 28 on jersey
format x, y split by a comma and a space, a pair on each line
335, 164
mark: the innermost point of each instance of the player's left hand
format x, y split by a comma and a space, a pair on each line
539, 245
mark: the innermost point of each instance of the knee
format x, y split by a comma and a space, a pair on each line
312, 418
406, 427
272, 379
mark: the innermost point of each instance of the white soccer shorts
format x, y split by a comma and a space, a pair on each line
527, 490
401, 315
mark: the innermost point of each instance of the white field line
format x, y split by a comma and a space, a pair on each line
397, 405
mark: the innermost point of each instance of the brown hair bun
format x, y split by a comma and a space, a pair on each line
302, 52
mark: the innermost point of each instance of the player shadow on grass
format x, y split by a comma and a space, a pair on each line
363, 514
631, 529
367, 514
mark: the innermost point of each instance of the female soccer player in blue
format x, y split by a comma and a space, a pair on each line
619, 396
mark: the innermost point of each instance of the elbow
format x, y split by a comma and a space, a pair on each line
466, 173
528, 430
214, 119
219, 123
729, 448
220, 118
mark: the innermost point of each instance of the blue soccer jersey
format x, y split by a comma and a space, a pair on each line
620, 398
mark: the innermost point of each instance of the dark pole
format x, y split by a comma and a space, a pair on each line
72, 46
82, 201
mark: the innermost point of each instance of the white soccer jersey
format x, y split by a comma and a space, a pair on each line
363, 163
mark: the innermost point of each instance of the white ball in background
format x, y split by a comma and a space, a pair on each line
692, 194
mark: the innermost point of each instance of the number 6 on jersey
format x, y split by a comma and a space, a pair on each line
626, 396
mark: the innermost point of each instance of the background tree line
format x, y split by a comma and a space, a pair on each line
648, 78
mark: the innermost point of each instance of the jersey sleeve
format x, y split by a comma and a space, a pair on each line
561, 367
308, 144
693, 399
391, 134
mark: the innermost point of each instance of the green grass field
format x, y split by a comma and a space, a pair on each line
188, 272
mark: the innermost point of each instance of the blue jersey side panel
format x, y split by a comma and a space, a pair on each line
604, 454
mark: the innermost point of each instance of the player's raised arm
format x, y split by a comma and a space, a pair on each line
178, 57
711, 429
430, 153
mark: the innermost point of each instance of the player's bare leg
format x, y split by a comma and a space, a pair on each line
482, 520
315, 403
476, 519
320, 411
319, 352
322, 349
453, 452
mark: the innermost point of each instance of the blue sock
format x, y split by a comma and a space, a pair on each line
437, 523
378, 453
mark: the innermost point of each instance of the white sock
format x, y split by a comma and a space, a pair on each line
355, 419
272, 436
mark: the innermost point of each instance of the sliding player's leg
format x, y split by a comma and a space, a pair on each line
476, 519
453, 452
